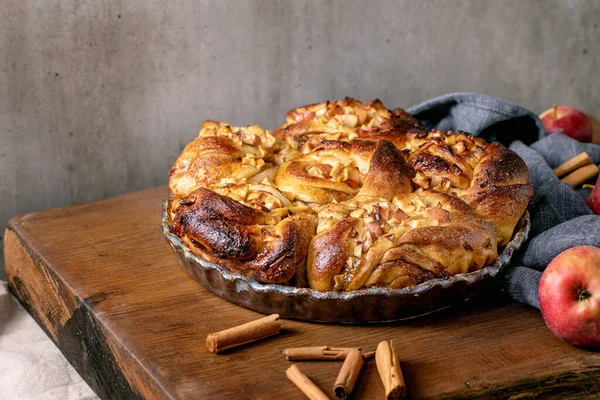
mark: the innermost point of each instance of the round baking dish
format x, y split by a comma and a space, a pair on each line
359, 306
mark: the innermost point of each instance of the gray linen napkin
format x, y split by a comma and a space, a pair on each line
560, 219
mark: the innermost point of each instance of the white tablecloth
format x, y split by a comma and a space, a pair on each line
31, 366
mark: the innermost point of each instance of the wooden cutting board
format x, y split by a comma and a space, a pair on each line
105, 286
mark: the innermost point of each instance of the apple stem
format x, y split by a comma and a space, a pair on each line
583, 294
555, 107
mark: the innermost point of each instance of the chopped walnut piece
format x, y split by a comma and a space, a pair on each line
362, 116
339, 172
374, 228
321, 110
251, 159
315, 171
459, 147
349, 120
421, 180
400, 215
357, 213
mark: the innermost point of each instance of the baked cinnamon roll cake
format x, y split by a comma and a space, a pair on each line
344, 196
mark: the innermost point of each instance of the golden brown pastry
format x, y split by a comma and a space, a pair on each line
242, 238
369, 241
345, 120
337, 171
345, 196
223, 154
500, 189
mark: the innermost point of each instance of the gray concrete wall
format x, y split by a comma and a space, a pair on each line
97, 98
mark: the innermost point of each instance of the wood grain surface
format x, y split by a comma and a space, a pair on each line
105, 286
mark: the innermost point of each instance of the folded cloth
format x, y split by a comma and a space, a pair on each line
560, 219
31, 366
492, 119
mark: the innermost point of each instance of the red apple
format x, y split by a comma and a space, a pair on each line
593, 200
569, 121
569, 295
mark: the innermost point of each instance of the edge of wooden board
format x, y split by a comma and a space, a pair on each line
97, 356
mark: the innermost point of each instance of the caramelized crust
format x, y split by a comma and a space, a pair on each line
223, 231
346, 195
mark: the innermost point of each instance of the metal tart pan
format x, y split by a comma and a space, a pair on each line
360, 306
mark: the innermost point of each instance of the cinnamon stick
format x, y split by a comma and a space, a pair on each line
581, 175
303, 383
572, 164
595, 130
242, 334
389, 371
368, 355
348, 374
317, 353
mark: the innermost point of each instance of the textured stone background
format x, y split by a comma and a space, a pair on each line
97, 98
